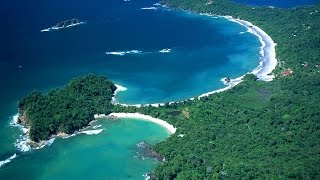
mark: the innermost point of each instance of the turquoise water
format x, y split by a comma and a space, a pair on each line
111, 154
203, 50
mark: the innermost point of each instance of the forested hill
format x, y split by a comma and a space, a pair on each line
257, 130
68, 109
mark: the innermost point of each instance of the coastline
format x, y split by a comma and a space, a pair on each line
171, 129
119, 89
25, 144
248, 131
268, 60
263, 71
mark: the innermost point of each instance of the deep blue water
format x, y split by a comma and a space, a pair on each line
278, 3
203, 50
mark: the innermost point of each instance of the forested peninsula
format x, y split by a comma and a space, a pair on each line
67, 109
256, 130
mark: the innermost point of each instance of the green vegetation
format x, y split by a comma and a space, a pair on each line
257, 130
68, 109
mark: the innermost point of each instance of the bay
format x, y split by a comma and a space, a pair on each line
180, 55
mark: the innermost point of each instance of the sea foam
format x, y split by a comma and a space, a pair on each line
166, 50
119, 89
56, 27
91, 132
122, 53
149, 8
2, 163
22, 142
14, 121
47, 143
97, 126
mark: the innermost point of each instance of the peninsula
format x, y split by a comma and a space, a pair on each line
65, 110
255, 130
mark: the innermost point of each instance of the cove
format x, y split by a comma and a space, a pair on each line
158, 54
109, 154
203, 50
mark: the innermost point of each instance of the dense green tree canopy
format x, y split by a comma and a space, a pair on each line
67, 109
257, 130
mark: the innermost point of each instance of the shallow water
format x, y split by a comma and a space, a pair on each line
109, 154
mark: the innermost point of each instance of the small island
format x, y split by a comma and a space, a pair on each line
68, 23
256, 130
64, 24
65, 110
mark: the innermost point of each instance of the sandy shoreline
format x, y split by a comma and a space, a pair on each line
139, 116
268, 63
268, 60
263, 72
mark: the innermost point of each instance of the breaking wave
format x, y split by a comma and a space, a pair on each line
122, 53
149, 8
91, 132
47, 143
166, 50
2, 163
22, 142
133, 52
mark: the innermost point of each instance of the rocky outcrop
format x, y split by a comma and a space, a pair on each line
22, 119
145, 150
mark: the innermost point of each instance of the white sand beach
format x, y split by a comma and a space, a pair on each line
268, 60
263, 72
139, 116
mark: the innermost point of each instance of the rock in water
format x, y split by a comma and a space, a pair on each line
145, 150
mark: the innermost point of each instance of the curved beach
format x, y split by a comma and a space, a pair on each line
263, 72
139, 116
268, 60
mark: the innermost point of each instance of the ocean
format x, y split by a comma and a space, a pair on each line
158, 54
